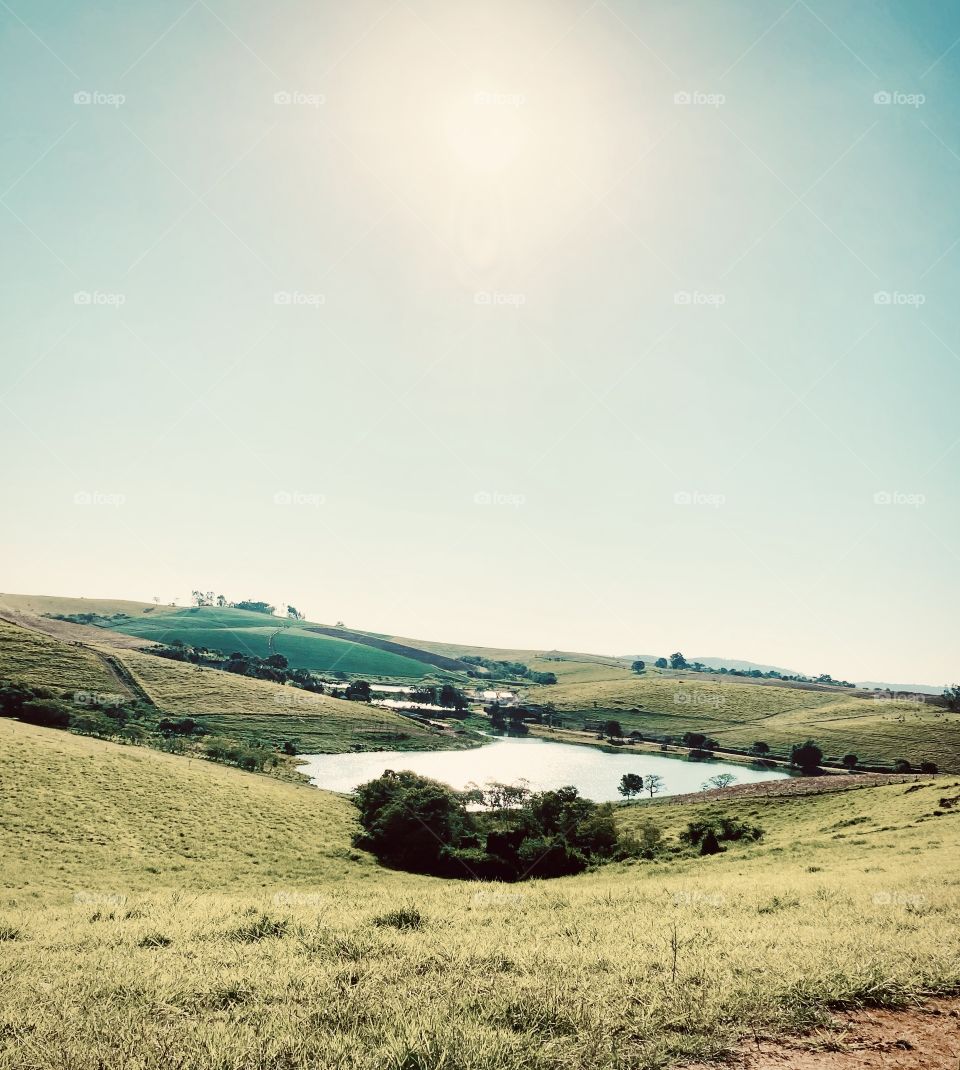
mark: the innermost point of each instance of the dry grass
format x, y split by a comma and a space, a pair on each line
172, 914
38, 659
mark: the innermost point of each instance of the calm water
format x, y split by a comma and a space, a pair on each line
544, 764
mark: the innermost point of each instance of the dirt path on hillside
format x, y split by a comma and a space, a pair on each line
922, 1038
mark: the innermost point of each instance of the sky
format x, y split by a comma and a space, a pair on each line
617, 326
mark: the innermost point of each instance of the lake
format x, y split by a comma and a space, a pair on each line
544, 764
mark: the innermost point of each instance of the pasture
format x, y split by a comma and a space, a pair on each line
165, 912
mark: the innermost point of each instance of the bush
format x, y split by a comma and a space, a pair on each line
709, 835
48, 713
260, 927
418, 824
403, 918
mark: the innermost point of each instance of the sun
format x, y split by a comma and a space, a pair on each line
485, 131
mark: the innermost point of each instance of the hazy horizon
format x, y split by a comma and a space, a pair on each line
599, 327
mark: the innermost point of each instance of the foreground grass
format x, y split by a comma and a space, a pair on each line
160, 912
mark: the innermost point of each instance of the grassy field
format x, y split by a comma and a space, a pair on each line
164, 912
242, 707
39, 659
237, 707
254, 633
737, 713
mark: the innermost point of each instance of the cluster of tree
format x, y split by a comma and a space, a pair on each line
678, 661
952, 695
208, 598
446, 695
710, 834
96, 619
128, 721
512, 719
633, 784
274, 667
515, 669
418, 824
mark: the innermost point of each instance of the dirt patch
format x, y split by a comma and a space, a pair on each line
801, 785
922, 1038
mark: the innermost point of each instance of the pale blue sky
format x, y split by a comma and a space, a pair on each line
667, 428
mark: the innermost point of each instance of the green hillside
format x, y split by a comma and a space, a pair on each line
254, 633
738, 712
158, 912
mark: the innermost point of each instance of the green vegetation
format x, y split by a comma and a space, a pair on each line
253, 633
163, 912
423, 826
739, 714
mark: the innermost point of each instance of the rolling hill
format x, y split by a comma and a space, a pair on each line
157, 912
736, 711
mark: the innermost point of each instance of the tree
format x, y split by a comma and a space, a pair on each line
630, 784
806, 756
294, 614
612, 729
694, 740
928, 767
221, 601
654, 784
452, 697
678, 661
761, 748
277, 661
358, 691
850, 761
638, 666
721, 780
901, 765
952, 695
661, 663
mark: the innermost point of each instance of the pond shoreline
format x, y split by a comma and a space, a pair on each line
545, 764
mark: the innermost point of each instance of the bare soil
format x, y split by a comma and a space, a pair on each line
920, 1038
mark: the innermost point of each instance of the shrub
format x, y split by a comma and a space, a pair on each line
48, 713
403, 918
261, 927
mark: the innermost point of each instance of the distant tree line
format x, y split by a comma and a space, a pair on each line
678, 661
515, 669
129, 721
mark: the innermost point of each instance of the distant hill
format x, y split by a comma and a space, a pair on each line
716, 663
915, 689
